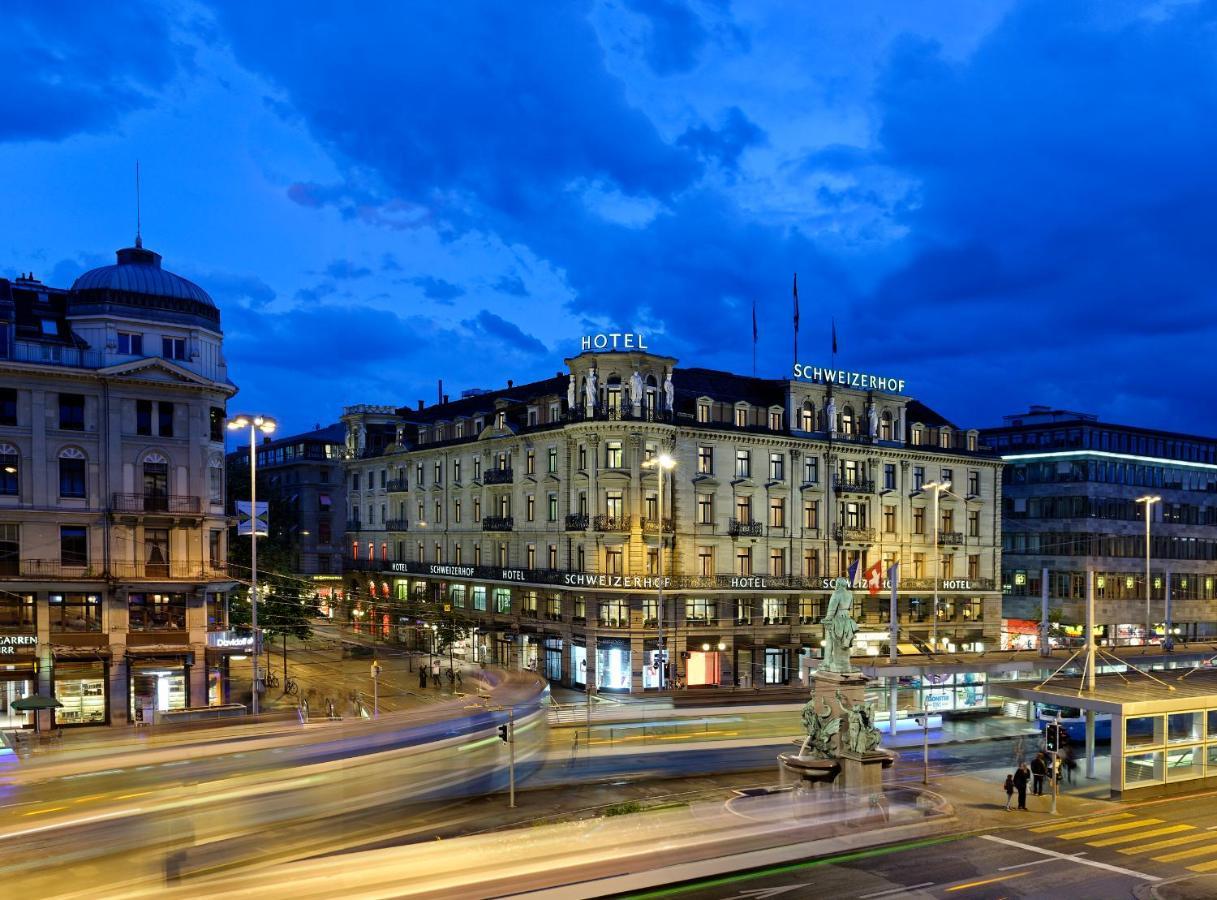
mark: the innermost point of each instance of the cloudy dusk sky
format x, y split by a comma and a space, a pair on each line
1003, 203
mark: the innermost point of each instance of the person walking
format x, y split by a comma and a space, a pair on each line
1038, 770
1009, 788
1020, 779
1069, 763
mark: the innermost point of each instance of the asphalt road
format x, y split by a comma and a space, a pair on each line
1122, 850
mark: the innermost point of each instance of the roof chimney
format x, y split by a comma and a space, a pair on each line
445, 398
420, 406
510, 383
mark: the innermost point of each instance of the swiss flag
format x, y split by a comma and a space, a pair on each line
874, 578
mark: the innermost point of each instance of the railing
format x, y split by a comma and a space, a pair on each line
613, 623
497, 476
853, 485
852, 437
863, 535
398, 485
950, 537
154, 503
497, 523
166, 571
45, 568
740, 528
609, 414
577, 522
56, 355
651, 526
397, 525
611, 523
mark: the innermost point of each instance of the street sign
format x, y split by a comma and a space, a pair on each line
245, 521
375, 669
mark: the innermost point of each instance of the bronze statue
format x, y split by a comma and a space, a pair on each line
839, 630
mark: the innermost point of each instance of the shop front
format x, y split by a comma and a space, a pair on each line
652, 659
18, 677
553, 659
706, 663
222, 648
613, 659
80, 685
157, 683
578, 663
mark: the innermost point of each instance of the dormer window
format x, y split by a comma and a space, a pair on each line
944, 438
478, 425
173, 348
460, 429
533, 416
918, 435
741, 417
775, 420
807, 416
130, 344
703, 411
500, 420
49, 326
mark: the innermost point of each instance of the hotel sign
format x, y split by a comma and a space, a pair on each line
12, 644
863, 381
613, 341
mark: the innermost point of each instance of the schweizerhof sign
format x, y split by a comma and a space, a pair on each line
863, 381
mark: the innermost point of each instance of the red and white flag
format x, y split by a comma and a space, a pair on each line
874, 578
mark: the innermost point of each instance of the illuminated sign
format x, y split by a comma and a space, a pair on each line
10, 642
841, 378
613, 341
230, 640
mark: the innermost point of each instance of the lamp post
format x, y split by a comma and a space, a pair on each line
266, 425
662, 463
1149, 500
937, 487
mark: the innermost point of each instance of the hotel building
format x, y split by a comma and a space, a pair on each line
533, 514
1070, 504
112, 522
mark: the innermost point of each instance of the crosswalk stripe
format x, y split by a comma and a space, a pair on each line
1060, 826
1203, 867
1187, 854
1139, 835
1107, 829
1162, 845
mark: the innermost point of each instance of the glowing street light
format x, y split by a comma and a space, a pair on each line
266, 425
663, 463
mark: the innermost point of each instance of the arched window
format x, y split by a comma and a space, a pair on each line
156, 482
807, 416
10, 464
215, 478
847, 420
72, 472
885, 426
612, 392
652, 390
944, 438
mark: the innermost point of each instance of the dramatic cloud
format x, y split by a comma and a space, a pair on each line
488, 323
437, 288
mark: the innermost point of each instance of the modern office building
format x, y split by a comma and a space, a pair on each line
534, 514
1075, 500
112, 520
301, 476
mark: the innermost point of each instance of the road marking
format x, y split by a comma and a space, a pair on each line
1061, 826
1036, 862
39, 812
897, 890
1203, 867
971, 884
1107, 829
85, 820
1139, 835
1187, 854
1085, 862
1162, 845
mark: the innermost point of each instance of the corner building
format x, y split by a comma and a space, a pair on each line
112, 520
531, 514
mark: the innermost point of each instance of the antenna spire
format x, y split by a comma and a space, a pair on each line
138, 240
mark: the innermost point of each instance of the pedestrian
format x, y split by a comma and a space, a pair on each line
1070, 764
1009, 788
1038, 770
1020, 779
422, 677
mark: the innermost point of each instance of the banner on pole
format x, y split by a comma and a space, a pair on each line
246, 520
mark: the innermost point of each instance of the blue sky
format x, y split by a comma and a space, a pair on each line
1003, 203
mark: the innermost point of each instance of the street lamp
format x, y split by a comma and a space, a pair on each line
1149, 500
662, 463
937, 487
266, 425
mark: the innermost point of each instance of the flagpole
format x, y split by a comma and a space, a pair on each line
754, 337
795, 362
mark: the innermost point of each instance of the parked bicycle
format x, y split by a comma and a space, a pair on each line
290, 687
272, 680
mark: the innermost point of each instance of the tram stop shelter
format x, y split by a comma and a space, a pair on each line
1163, 726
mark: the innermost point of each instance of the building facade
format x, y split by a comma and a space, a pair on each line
1070, 499
534, 514
112, 521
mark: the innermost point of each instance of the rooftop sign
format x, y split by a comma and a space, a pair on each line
613, 341
860, 380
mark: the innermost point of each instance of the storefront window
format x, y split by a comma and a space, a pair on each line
553, 659
12, 690
703, 668
612, 666
17, 611
578, 664
81, 688
479, 598
775, 665
156, 686
650, 667
502, 600
157, 612
75, 612
457, 594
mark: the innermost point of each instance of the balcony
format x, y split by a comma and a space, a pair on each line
651, 526
497, 523
397, 525
497, 476
611, 523
577, 522
853, 535
54, 355
45, 568
742, 528
173, 504
843, 485
950, 538
397, 485
165, 571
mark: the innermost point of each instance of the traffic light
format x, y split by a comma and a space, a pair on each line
503, 734
1051, 738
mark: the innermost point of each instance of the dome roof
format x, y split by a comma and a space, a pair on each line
139, 271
